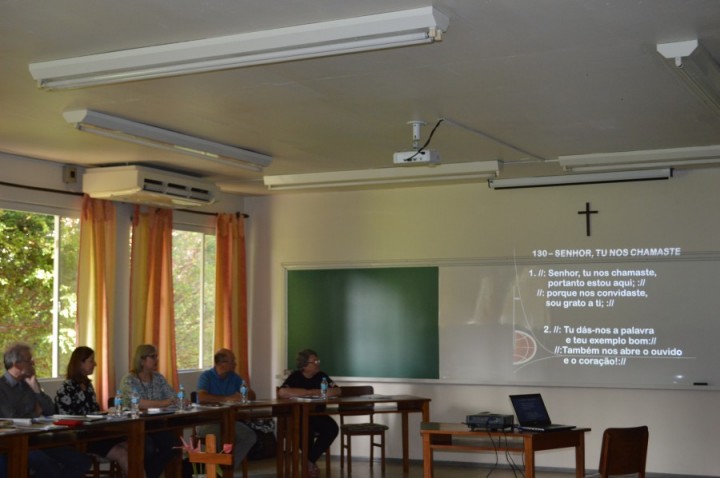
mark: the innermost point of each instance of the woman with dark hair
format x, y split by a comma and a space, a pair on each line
76, 396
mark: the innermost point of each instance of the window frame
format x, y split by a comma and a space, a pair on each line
56, 204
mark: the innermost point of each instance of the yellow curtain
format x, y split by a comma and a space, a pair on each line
152, 314
231, 289
96, 290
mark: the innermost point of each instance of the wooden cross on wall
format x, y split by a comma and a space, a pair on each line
587, 213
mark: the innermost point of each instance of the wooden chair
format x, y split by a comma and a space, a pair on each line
350, 430
103, 466
195, 438
624, 452
211, 460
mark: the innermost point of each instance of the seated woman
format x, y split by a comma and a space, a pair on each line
306, 381
155, 392
76, 396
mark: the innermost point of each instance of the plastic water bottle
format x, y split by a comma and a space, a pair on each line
135, 404
244, 393
117, 404
181, 398
323, 388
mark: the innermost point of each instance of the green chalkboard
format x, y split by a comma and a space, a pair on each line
374, 322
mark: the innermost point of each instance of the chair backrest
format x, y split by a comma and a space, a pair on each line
356, 409
212, 460
624, 451
356, 390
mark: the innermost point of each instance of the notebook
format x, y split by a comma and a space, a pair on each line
532, 414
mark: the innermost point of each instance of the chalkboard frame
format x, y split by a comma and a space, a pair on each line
378, 322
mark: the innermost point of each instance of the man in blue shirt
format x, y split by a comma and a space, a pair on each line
221, 384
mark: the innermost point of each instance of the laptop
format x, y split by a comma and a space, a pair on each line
532, 414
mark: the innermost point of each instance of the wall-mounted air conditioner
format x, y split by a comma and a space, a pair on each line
144, 185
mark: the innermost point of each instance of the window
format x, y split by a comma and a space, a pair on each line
38, 280
194, 294
38, 277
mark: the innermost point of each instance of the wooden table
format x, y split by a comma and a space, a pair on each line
455, 437
402, 404
292, 416
18, 443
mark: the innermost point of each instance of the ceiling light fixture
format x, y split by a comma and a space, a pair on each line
139, 133
544, 181
697, 68
385, 176
337, 37
645, 159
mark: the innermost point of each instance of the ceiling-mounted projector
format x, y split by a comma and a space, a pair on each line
418, 155
423, 156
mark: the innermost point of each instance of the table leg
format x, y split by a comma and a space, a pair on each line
17, 457
529, 457
303, 439
427, 457
227, 435
580, 456
405, 442
136, 448
280, 454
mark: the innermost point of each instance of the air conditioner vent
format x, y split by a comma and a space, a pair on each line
143, 185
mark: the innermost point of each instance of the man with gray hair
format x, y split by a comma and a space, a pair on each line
21, 396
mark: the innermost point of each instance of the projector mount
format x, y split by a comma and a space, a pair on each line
419, 155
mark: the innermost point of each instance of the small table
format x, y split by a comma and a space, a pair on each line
457, 437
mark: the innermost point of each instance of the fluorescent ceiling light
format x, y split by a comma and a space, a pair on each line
653, 158
337, 37
697, 68
139, 133
385, 176
541, 181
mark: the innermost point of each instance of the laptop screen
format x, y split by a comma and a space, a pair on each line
530, 409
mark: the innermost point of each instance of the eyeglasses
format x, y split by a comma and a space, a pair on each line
316, 362
152, 356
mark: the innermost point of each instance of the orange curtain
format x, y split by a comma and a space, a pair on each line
152, 313
96, 290
231, 330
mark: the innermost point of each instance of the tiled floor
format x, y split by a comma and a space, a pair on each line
361, 469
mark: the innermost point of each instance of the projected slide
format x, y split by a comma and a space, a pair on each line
610, 317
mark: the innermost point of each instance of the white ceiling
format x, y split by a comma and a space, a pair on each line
551, 77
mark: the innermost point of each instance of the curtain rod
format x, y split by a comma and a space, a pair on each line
35, 188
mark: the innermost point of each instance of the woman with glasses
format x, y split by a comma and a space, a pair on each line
155, 392
305, 381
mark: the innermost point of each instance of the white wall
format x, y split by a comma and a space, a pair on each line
472, 221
